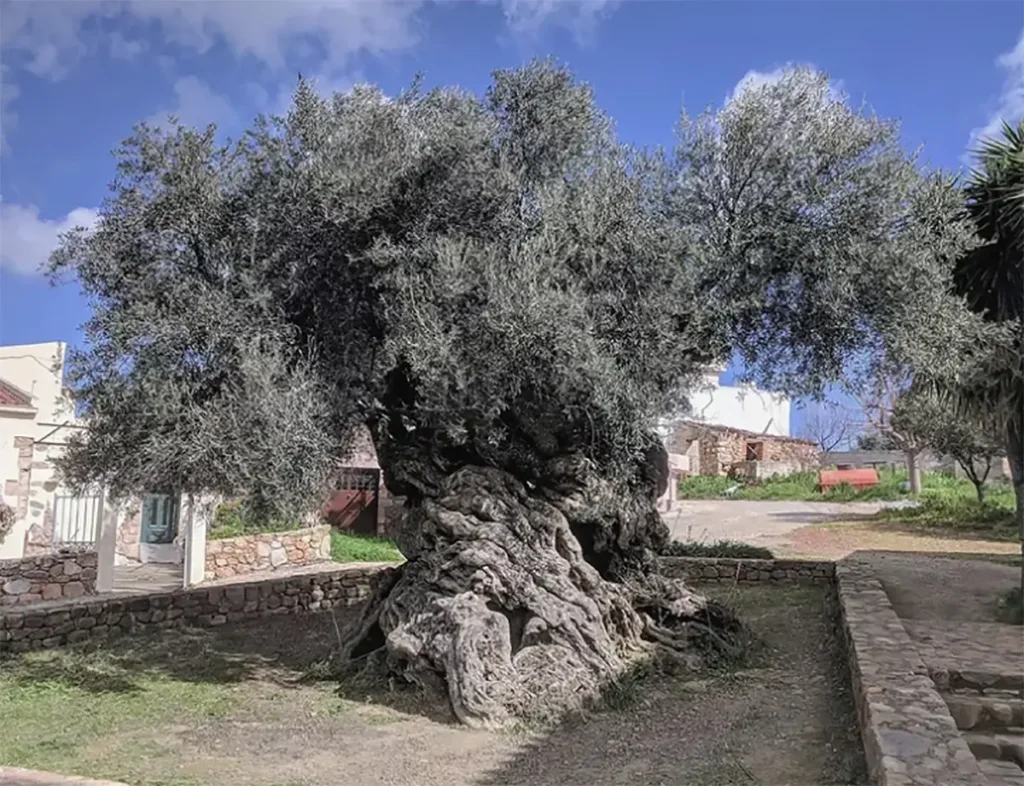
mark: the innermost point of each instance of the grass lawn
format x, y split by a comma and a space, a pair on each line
346, 547
234, 706
803, 486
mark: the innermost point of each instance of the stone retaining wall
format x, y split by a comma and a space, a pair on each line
721, 570
66, 622
65, 574
266, 551
909, 737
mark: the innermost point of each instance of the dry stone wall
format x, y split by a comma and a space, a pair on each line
65, 574
720, 570
67, 622
230, 557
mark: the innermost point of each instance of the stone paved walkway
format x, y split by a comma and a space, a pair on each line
947, 608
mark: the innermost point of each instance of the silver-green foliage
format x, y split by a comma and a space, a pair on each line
498, 278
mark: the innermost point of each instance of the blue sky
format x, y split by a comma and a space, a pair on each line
76, 76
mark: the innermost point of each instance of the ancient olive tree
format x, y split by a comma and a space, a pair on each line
509, 299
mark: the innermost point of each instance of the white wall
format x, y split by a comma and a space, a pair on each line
38, 369
745, 407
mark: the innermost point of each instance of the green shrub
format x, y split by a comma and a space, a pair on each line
957, 515
232, 519
721, 548
892, 485
347, 547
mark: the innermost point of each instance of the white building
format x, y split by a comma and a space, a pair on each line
34, 413
745, 407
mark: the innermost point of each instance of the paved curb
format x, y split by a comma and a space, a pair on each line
909, 736
15, 776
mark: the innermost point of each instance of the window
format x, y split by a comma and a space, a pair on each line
755, 451
159, 518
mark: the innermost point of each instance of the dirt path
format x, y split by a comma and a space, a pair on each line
756, 522
935, 588
226, 707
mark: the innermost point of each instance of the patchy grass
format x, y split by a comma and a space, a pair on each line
55, 704
346, 547
232, 706
1010, 607
721, 549
955, 517
803, 486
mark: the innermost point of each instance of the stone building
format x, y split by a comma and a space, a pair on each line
713, 449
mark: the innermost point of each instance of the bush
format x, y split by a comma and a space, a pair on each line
721, 548
232, 519
957, 515
347, 547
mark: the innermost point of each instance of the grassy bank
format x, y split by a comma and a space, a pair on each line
346, 547
803, 486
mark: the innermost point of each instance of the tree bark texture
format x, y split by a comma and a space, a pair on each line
501, 606
914, 471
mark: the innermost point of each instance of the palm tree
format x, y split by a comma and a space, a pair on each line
991, 277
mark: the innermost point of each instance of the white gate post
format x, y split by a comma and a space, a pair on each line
106, 544
195, 541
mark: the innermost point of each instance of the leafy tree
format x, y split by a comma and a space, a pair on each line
509, 299
991, 275
974, 443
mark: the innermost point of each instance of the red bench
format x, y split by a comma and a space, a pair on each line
858, 478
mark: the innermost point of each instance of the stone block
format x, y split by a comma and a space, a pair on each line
72, 568
16, 586
74, 589
52, 592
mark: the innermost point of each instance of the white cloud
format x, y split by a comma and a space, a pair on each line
55, 36
8, 117
579, 16
1010, 104
196, 104
26, 240
754, 79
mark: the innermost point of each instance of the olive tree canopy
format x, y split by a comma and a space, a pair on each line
509, 298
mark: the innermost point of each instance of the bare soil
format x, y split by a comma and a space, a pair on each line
236, 707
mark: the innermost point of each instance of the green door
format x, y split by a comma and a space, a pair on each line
159, 518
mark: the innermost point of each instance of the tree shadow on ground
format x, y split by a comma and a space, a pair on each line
786, 718
278, 649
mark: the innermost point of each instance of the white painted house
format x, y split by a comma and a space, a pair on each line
33, 409
744, 407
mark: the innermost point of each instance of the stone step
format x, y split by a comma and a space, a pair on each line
1002, 773
997, 747
980, 681
985, 713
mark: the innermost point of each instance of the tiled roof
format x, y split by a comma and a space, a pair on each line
744, 433
13, 396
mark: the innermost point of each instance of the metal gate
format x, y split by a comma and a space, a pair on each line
353, 504
76, 520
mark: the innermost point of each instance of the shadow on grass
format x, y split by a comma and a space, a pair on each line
278, 649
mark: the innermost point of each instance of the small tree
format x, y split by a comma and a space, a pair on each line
897, 419
973, 443
830, 426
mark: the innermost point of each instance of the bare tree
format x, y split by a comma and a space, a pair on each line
830, 426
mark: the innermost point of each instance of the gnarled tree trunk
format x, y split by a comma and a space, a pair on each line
526, 599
